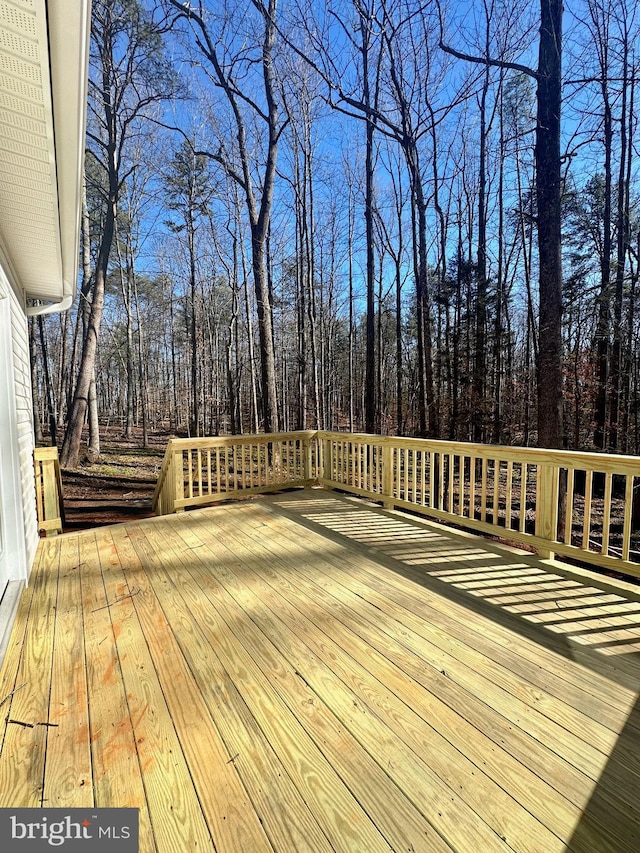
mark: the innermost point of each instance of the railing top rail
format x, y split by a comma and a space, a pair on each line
247, 438
577, 459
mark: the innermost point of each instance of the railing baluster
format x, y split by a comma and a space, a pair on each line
446, 480
586, 520
472, 487
524, 474
628, 512
496, 492
568, 510
190, 473
405, 474
606, 516
178, 478
483, 490
507, 514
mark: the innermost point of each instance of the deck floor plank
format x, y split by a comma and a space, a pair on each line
14, 653
492, 628
397, 818
345, 823
67, 781
533, 791
348, 685
475, 672
116, 771
306, 672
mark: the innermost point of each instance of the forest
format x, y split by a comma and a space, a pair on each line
391, 216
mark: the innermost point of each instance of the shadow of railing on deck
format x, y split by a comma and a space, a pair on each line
586, 621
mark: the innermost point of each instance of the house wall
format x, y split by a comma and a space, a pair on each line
17, 420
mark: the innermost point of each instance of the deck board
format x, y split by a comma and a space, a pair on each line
116, 772
306, 672
67, 780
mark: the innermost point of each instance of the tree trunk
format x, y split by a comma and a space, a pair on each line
549, 194
622, 231
370, 344
70, 452
480, 356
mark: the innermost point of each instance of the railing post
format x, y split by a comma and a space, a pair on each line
328, 460
178, 480
387, 476
307, 463
49, 501
51, 510
547, 507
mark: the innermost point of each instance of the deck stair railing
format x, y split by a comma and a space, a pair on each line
49, 502
580, 505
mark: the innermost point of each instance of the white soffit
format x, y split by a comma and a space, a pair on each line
43, 67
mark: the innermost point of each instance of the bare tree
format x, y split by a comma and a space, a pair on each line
548, 76
230, 60
128, 75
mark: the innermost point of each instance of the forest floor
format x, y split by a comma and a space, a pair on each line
119, 487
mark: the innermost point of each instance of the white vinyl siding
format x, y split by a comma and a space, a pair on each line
24, 440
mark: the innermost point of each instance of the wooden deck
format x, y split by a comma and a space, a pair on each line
305, 672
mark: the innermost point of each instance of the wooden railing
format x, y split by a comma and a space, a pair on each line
580, 505
201, 471
49, 504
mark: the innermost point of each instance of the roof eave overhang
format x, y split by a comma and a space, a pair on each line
44, 52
